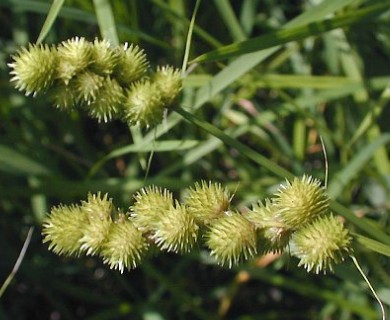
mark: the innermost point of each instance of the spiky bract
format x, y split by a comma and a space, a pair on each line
125, 245
231, 238
150, 203
131, 65
207, 201
62, 229
33, 69
321, 244
143, 104
74, 55
300, 201
175, 230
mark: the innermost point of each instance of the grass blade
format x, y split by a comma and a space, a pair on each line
51, 17
291, 34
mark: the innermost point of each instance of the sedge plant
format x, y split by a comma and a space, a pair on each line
116, 83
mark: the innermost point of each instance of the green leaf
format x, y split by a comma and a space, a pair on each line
291, 34
343, 177
106, 21
373, 245
14, 162
51, 17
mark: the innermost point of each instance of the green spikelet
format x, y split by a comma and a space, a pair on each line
176, 230
64, 96
131, 66
231, 238
63, 229
273, 234
300, 201
207, 201
104, 57
74, 55
125, 245
143, 105
98, 210
150, 203
88, 85
33, 69
169, 83
321, 244
108, 102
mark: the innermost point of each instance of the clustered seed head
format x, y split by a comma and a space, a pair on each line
231, 238
322, 243
175, 230
109, 82
156, 220
207, 201
300, 201
125, 245
33, 69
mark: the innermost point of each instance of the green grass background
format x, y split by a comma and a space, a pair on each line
266, 80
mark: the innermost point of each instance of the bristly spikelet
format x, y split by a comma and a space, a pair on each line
231, 239
176, 230
74, 55
150, 203
300, 201
169, 83
88, 85
33, 69
273, 233
125, 245
207, 201
108, 102
143, 105
321, 244
98, 210
104, 57
63, 229
64, 96
132, 64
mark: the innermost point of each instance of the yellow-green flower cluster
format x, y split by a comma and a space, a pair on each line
109, 82
297, 217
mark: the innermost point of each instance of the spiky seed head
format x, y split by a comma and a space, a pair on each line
98, 209
125, 245
104, 57
143, 105
108, 102
300, 201
322, 243
87, 85
231, 238
74, 55
33, 69
63, 229
169, 83
132, 64
149, 204
273, 233
176, 230
64, 97
207, 201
